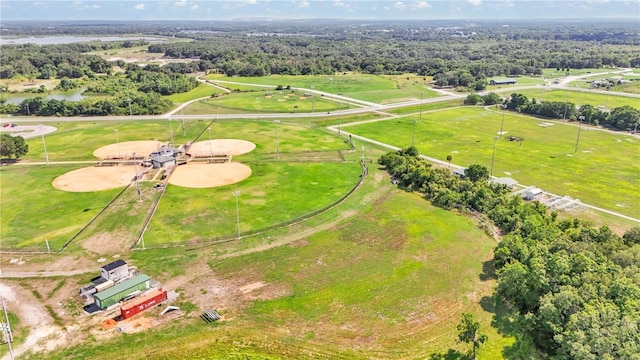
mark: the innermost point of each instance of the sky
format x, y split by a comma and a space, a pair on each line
308, 9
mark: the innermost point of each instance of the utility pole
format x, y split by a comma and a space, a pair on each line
277, 122
130, 112
44, 145
236, 194
580, 118
135, 165
493, 156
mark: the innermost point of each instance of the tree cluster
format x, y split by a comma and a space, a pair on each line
11, 146
135, 103
576, 288
620, 118
53, 61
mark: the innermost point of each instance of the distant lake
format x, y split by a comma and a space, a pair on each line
49, 40
74, 96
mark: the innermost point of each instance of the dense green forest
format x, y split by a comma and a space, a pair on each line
575, 287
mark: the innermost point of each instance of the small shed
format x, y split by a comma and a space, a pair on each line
531, 193
114, 271
165, 157
507, 81
117, 293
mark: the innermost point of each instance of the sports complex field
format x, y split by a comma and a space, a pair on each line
302, 255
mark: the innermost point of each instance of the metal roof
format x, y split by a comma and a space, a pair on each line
114, 265
121, 287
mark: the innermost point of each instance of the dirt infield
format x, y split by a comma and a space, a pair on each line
209, 175
217, 146
125, 149
95, 178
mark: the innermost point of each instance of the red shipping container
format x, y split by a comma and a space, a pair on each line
138, 305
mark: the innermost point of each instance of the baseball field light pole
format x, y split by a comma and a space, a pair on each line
493, 155
580, 119
413, 136
117, 142
236, 194
10, 335
421, 97
210, 146
44, 145
171, 130
277, 122
135, 165
502, 123
130, 112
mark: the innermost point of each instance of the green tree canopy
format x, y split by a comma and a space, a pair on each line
11, 146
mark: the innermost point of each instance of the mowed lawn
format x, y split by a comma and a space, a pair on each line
604, 172
272, 101
33, 211
362, 87
78, 140
579, 97
274, 193
390, 283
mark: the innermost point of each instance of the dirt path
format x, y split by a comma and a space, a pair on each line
33, 316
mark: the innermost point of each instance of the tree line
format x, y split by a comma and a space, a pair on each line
574, 287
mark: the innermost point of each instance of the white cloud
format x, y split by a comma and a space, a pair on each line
302, 4
475, 2
251, 2
194, 7
180, 3
422, 5
95, 6
399, 5
342, 4
139, 7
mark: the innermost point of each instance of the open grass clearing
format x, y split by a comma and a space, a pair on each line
554, 73
390, 283
603, 172
77, 140
203, 90
362, 87
609, 101
276, 101
33, 211
274, 193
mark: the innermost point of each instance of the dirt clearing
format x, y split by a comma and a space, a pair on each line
218, 146
126, 149
95, 178
209, 175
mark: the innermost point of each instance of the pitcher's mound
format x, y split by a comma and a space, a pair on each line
209, 175
217, 146
95, 178
125, 149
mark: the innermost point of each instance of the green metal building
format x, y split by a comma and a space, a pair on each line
115, 294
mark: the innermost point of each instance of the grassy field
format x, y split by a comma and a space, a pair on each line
264, 102
362, 87
372, 286
34, 211
203, 90
315, 174
603, 172
266, 199
553, 73
580, 97
78, 140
